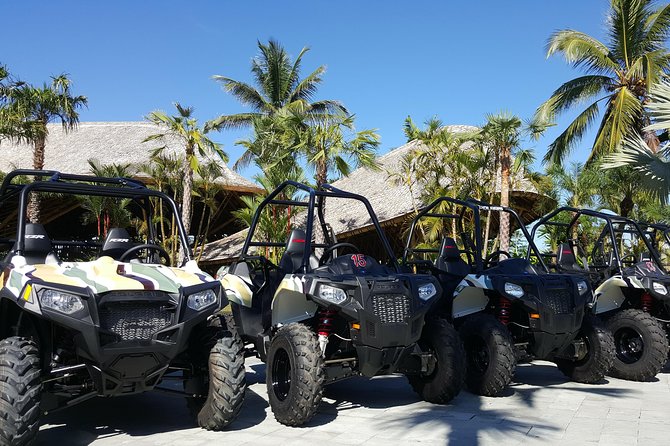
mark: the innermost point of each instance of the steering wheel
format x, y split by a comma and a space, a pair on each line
162, 253
489, 260
327, 253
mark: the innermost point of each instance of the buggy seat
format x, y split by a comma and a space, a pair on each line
450, 260
116, 243
37, 247
566, 260
291, 260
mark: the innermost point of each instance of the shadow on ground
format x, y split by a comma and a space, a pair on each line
137, 415
468, 417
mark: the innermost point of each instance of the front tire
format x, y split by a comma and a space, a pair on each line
294, 374
490, 354
641, 345
599, 357
446, 380
20, 391
224, 378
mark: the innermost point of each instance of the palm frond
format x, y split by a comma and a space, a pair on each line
565, 142
580, 49
655, 167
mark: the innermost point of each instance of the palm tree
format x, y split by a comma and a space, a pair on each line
578, 185
278, 85
333, 145
653, 166
31, 109
619, 74
503, 133
184, 128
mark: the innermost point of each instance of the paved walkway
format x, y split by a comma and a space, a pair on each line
539, 408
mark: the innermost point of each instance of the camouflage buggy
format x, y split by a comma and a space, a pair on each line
85, 317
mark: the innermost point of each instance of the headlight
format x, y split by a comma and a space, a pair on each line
62, 302
427, 291
582, 287
659, 288
513, 289
332, 294
201, 299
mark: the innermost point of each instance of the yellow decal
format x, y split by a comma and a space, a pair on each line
27, 293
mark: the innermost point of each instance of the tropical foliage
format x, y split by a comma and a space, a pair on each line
291, 131
618, 76
26, 110
183, 128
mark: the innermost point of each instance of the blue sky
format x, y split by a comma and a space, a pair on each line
386, 59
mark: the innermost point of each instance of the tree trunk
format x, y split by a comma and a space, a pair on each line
505, 164
186, 199
486, 233
188, 190
321, 173
34, 207
626, 205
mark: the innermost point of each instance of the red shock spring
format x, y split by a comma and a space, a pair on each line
504, 307
647, 302
326, 322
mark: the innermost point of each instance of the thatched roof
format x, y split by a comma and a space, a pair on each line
228, 248
106, 142
392, 203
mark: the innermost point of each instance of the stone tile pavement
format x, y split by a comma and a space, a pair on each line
541, 407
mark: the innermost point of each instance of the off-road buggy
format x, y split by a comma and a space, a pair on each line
317, 320
630, 283
117, 320
505, 308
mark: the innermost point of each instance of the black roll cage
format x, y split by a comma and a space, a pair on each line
609, 230
475, 206
91, 185
315, 199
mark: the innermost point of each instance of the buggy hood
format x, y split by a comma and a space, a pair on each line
105, 274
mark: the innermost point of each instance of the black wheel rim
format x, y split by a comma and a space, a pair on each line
629, 345
478, 355
281, 374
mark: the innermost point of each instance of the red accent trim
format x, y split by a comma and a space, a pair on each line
298, 240
567, 251
451, 247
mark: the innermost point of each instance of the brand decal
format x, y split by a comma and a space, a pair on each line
35, 236
119, 240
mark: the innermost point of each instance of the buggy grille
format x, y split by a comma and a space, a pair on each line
391, 308
135, 320
560, 301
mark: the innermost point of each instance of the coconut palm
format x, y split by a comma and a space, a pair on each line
184, 128
653, 166
617, 80
278, 85
332, 146
29, 109
503, 133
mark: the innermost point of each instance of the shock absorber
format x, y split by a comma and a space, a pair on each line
325, 328
647, 302
504, 310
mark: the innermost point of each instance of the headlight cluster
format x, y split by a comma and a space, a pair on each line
513, 289
427, 291
201, 299
582, 287
332, 294
62, 302
659, 288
